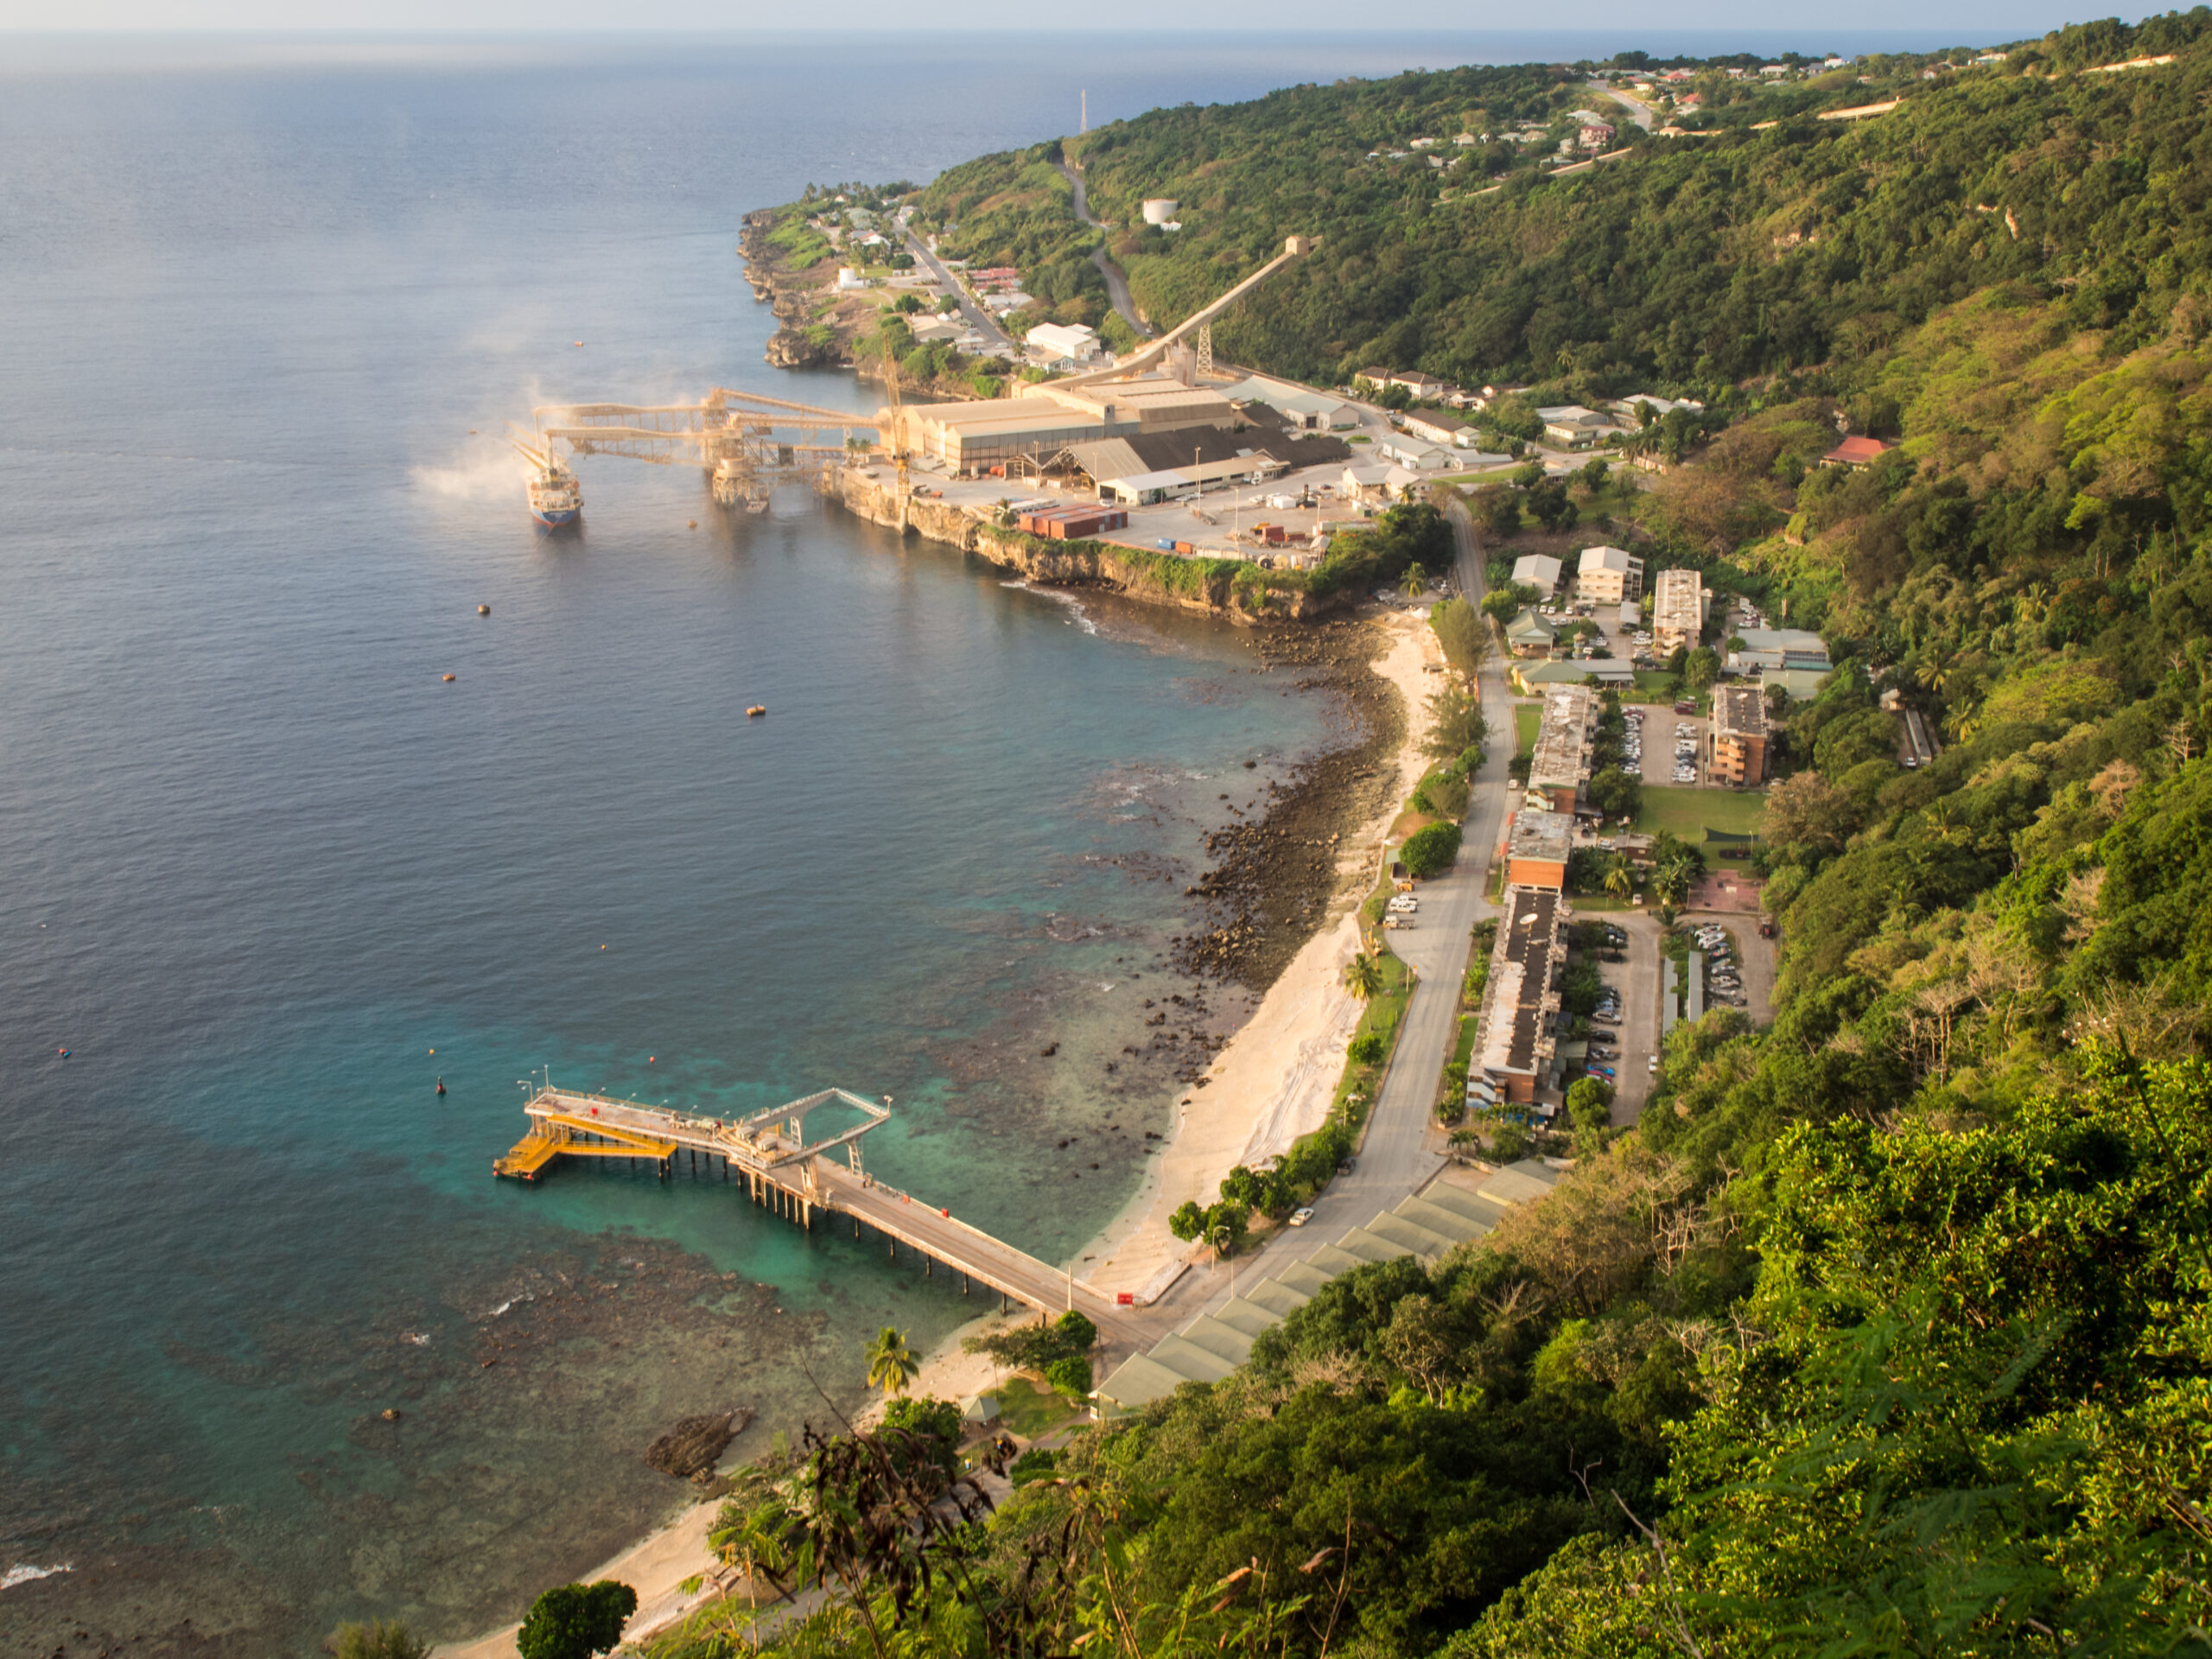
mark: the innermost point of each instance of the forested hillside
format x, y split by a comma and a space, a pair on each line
1885, 1330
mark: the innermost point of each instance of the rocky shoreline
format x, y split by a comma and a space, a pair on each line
794, 296
1277, 866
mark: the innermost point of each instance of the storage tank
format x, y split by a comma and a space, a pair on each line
1159, 209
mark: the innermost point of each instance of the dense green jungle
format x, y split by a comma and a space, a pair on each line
1885, 1330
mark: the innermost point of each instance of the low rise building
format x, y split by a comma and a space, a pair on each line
1441, 429
971, 436
1539, 571
1679, 604
1530, 635
1606, 575
1515, 1040
1536, 849
1532, 676
1053, 343
1739, 754
1567, 729
1572, 424
1766, 650
1421, 457
1856, 452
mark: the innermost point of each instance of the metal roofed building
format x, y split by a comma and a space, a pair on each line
1529, 632
1538, 570
1767, 649
1529, 678
1680, 603
1515, 1040
1561, 762
1536, 849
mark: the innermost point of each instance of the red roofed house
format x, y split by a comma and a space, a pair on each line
1855, 452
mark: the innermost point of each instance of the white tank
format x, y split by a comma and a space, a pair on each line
1159, 209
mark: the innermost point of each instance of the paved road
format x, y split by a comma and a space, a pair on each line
1394, 1159
1117, 286
1638, 979
1641, 113
978, 319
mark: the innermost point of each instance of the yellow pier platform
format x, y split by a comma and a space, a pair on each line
558, 1134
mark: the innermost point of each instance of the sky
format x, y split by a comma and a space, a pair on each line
1968, 21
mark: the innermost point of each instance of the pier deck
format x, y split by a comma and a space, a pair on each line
769, 1154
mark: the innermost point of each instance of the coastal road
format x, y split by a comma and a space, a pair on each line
1395, 1157
978, 318
1117, 286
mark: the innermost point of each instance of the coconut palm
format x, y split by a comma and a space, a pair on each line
1619, 881
1362, 975
890, 1363
1416, 581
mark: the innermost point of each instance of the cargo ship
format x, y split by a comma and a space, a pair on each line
556, 501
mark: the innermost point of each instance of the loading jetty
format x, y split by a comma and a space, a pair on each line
804, 1181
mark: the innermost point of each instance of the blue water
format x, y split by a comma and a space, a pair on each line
268, 877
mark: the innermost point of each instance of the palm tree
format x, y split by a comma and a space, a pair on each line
891, 1363
1416, 581
1362, 975
1619, 881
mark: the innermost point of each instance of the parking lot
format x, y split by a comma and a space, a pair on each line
1631, 1030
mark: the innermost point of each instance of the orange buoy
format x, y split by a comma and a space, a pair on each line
756, 711
691, 524
483, 610
450, 678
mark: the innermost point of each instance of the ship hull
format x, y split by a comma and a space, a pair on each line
556, 518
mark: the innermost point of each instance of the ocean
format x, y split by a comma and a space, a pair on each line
276, 1351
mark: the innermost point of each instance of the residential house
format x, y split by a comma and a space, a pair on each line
1539, 571
1530, 635
1856, 452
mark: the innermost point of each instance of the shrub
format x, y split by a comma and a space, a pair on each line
1366, 1048
1070, 1375
934, 1426
573, 1621
1431, 851
377, 1639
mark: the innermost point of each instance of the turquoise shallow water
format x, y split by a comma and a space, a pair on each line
258, 862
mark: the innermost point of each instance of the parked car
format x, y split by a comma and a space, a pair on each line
1299, 1218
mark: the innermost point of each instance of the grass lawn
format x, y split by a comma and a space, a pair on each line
1689, 812
1384, 1012
1527, 717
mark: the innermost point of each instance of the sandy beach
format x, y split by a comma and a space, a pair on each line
1270, 1085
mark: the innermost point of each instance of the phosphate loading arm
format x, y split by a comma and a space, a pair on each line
748, 442
769, 1155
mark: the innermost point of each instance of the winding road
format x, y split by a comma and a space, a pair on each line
1117, 286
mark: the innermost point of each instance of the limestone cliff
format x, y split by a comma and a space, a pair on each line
1229, 588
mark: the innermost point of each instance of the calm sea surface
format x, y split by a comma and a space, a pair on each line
268, 877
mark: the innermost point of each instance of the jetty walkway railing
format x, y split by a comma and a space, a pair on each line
769, 1154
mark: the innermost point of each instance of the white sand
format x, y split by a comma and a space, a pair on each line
1271, 1084
1273, 1081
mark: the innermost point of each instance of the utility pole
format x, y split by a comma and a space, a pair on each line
1086, 111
